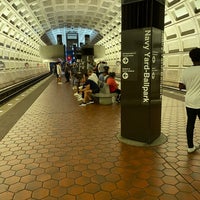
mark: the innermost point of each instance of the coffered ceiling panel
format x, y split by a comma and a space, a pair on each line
71, 14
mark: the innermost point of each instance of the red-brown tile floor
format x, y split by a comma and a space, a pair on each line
58, 150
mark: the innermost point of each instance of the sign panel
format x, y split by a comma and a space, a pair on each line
128, 70
72, 40
142, 61
141, 64
130, 55
72, 36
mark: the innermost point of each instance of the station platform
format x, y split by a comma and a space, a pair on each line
53, 149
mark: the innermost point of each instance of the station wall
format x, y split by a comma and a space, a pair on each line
20, 39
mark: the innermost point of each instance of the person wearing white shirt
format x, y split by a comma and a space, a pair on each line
59, 73
190, 81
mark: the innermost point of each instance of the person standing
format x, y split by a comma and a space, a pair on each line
67, 72
59, 73
100, 67
190, 81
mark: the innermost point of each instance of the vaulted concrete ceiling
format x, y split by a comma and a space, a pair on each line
25, 25
81, 16
47, 18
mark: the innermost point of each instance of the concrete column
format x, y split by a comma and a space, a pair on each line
141, 69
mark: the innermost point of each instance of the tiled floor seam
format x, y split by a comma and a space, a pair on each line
177, 172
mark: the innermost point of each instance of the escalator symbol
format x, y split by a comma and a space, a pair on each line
125, 75
125, 60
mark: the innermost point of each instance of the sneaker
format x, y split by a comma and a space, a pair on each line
191, 150
82, 104
80, 87
80, 99
76, 94
90, 102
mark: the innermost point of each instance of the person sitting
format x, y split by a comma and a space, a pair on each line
83, 82
90, 87
103, 76
114, 86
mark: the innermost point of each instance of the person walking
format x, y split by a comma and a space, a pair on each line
190, 81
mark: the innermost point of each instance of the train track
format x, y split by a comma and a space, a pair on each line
10, 91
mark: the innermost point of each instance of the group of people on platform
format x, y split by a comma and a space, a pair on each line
91, 79
87, 80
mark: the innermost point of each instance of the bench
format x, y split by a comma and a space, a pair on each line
104, 96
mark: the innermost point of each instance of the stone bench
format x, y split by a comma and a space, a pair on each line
104, 96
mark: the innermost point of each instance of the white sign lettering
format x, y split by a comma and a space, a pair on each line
147, 60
